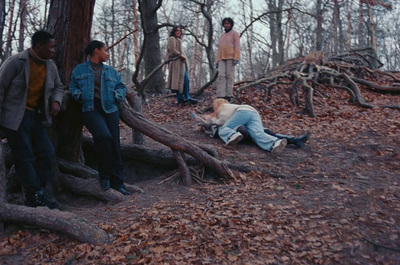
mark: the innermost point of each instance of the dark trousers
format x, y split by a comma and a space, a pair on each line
104, 128
32, 151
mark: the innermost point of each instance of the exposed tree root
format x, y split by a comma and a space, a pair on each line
346, 71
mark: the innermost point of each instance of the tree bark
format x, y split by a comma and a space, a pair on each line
319, 30
22, 24
65, 222
10, 34
90, 187
152, 54
2, 24
139, 123
70, 22
135, 102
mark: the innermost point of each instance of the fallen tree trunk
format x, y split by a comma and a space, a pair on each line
77, 169
139, 153
64, 222
90, 187
137, 121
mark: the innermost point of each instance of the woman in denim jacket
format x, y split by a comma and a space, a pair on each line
99, 88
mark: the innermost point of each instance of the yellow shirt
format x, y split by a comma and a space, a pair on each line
37, 76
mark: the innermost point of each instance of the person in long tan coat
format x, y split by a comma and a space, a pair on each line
178, 79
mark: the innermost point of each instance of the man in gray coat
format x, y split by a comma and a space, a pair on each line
31, 93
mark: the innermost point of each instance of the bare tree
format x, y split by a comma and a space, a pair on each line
276, 33
2, 24
151, 53
22, 24
11, 30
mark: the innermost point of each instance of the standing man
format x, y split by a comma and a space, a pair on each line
31, 93
228, 56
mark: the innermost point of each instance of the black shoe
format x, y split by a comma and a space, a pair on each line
105, 184
123, 190
300, 141
193, 101
40, 198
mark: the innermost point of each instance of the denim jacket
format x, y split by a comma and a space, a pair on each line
82, 87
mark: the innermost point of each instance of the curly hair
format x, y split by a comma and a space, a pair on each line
230, 20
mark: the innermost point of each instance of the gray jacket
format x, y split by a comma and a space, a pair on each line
14, 78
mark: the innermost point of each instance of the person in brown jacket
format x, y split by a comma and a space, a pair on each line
178, 79
228, 56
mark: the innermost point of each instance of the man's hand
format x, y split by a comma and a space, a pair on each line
55, 108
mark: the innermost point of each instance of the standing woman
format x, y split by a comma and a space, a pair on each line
228, 56
99, 88
178, 79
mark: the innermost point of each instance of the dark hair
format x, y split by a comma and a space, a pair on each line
174, 29
229, 20
41, 36
93, 45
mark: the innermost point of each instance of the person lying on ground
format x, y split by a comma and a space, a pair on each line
228, 117
212, 131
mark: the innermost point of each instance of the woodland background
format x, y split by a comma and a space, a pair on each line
271, 31
334, 201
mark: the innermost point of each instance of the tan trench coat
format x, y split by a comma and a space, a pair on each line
176, 68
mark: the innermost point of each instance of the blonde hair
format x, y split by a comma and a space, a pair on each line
218, 103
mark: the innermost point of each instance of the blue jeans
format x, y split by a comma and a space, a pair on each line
32, 151
104, 128
252, 121
185, 95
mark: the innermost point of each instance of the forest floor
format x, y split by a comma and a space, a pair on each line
334, 201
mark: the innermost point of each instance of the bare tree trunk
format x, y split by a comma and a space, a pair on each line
46, 4
320, 21
348, 48
10, 30
335, 25
250, 39
112, 31
361, 41
152, 54
200, 73
22, 25
342, 41
63, 16
195, 60
272, 31
2, 24
373, 35
207, 12
279, 32
136, 33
